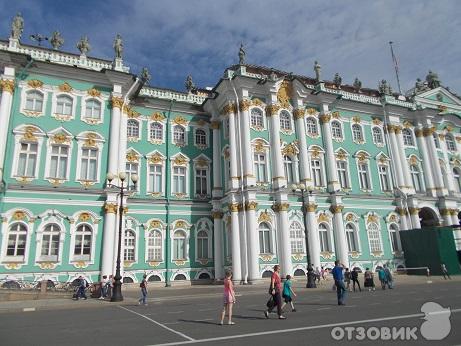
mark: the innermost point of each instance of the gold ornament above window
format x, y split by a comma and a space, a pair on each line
284, 94
35, 83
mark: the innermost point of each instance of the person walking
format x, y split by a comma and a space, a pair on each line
104, 283
389, 278
444, 270
382, 278
288, 293
317, 274
275, 290
143, 286
338, 276
347, 279
229, 299
82, 285
369, 282
355, 279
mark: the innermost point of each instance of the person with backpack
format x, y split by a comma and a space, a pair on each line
382, 278
275, 290
369, 282
355, 279
389, 278
143, 286
82, 285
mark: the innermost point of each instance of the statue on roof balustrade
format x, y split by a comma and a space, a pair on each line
357, 85
337, 80
242, 54
56, 40
432, 80
84, 45
118, 46
317, 70
189, 84
17, 26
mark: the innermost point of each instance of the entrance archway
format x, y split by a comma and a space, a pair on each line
428, 217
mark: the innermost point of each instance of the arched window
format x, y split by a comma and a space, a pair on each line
374, 238
317, 171
89, 164
34, 101
296, 238
416, 178
457, 178
132, 128
179, 179
64, 105
352, 241
336, 130
311, 125
129, 250
201, 182
343, 176
93, 109
285, 123
154, 246
179, 245
156, 132
377, 136
451, 145
407, 137
357, 135
288, 167
179, 135
393, 229
257, 118
324, 238
202, 245
17, 238
27, 159
83, 242
200, 137
50, 241
265, 241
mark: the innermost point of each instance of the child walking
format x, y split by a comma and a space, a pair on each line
288, 293
229, 299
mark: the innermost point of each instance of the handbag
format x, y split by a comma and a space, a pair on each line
270, 303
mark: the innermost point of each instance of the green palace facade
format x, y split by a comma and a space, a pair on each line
230, 177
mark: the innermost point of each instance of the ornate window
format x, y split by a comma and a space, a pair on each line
50, 242
364, 176
17, 240
200, 138
351, 236
83, 242
34, 101
374, 238
257, 119
265, 241
129, 251
285, 122
288, 168
416, 178
393, 236
336, 130
260, 167
130, 169
179, 179
297, 238
179, 245
311, 126
154, 246
27, 162
317, 172
408, 137
64, 105
457, 179
357, 133
343, 175
58, 161
132, 128
202, 245
156, 132
155, 183
179, 135
451, 145
93, 109
385, 182
201, 181
89, 164
324, 237
378, 138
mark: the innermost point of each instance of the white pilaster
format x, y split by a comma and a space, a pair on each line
403, 159
403, 219
218, 245
414, 215
330, 161
313, 235
396, 157
446, 217
217, 184
235, 244
114, 132
283, 232
253, 242
450, 180
230, 109
122, 142
436, 170
428, 177
7, 85
305, 172
110, 230
244, 119
342, 253
278, 179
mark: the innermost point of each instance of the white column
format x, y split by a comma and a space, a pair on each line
395, 156
446, 217
7, 85
253, 242
403, 219
283, 231
454, 217
313, 235
305, 172
235, 244
218, 245
217, 184
278, 176
330, 160
414, 215
122, 143
403, 158
114, 133
108, 241
429, 178
448, 170
436, 170
342, 254
230, 109
245, 139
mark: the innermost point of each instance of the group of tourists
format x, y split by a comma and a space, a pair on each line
82, 285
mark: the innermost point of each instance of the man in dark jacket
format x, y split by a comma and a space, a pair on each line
355, 279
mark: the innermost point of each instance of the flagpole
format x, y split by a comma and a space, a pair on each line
396, 67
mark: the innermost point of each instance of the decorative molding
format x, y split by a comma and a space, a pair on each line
264, 217
413, 210
428, 131
335, 209
272, 109
155, 158
401, 211
325, 118
244, 105
356, 119
289, 150
180, 160
35, 83
179, 263
284, 94
311, 111
94, 92
156, 116
65, 88
116, 102
267, 258
179, 120
327, 254
311, 207
217, 214
252, 205
323, 217
234, 207
132, 157
110, 208
278, 207
372, 217
229, 108
215, 125
299, 113
7, 85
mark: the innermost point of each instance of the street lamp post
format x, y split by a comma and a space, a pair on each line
117, 290
302, 188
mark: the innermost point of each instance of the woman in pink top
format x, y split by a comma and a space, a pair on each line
229, 298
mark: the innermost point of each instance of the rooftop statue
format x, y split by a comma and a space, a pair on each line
357, 84
242, 54
56, 40
317, 69
189, 84
384, 88
337, 80
432, 80
83, 45
420, 85
118, 46
17, 26
145, 75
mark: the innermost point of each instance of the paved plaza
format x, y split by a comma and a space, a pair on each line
190, 315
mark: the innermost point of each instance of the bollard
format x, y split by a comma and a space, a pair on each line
43, 285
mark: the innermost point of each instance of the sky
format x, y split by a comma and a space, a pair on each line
176, 38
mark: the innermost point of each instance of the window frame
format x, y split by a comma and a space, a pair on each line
452, 147
357, 133
386, 175
83, 257
287, 122
376, 237
408, 137
131, 136
204, 137
338, 129
312, 123
130, 247
355, 234
297, 238
327, 232
186, 244
269, 242
6, 240
83, 142
256, 124
374, 134
394, 229
175, 140
157, 246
